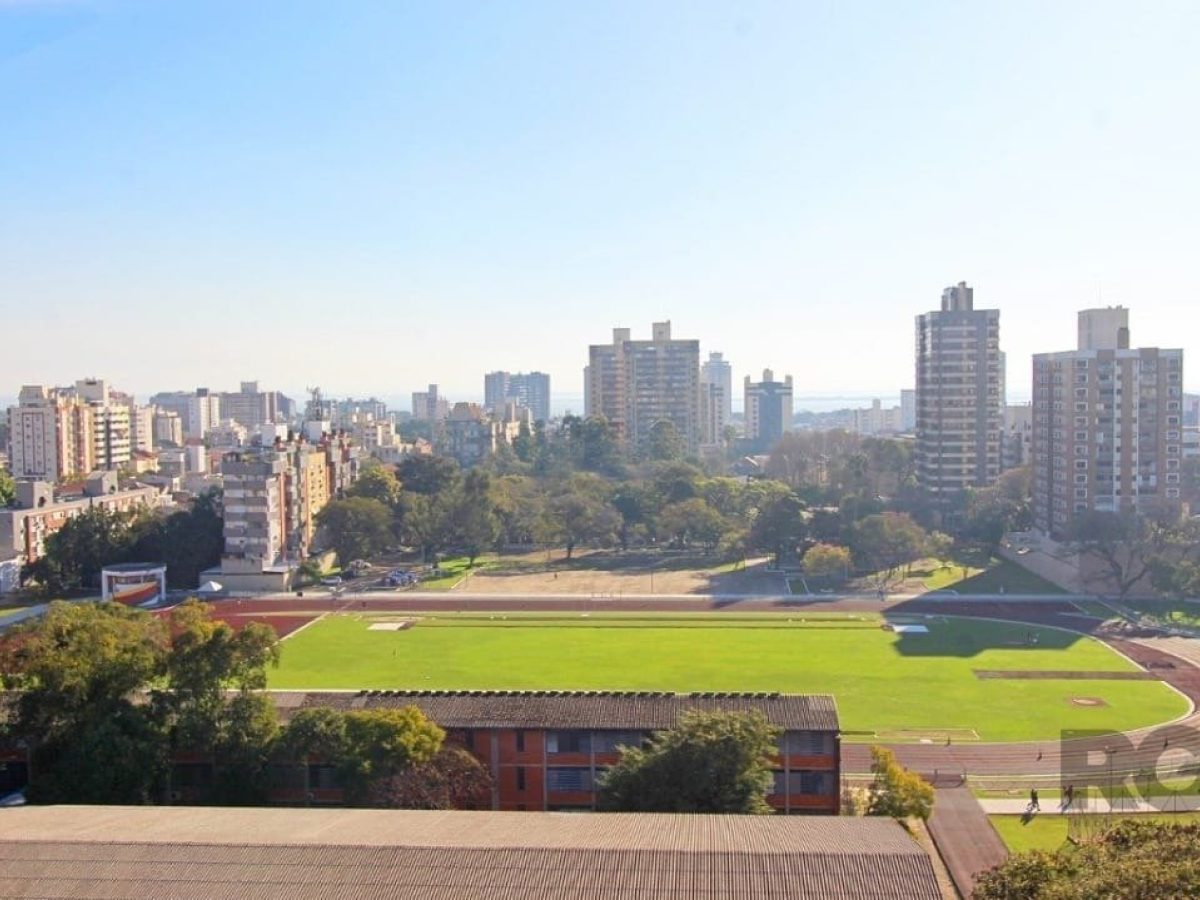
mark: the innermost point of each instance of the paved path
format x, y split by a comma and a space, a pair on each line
965, 838
1051, 806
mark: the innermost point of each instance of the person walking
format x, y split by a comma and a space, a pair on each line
1068, 796
1034, 806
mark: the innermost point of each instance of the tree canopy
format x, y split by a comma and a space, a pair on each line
709, 763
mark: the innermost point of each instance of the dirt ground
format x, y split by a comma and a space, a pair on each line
633, 579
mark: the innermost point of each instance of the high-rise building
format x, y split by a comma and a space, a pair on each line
768, 409
1107, 426
637, 384
429, 406
198, 410
112, 429
908, 410
42, 440
249, 406
168, 427
717, 370
960, 395
713, 403
531, 391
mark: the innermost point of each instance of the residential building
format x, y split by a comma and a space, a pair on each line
168, 427
57, 433
908, 410
198, 410
531, 391
1107, 426
717, 370
248, 407
768, 409
429, 405
470, 435
713, 403
877, 419
1191, 410
112, 429
637, 384
141, 425
340, 854
1017, 450
959, 394
42, 509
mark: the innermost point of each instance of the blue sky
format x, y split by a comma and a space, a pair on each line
372, 196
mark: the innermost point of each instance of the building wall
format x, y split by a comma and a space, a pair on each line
1107, 434
959, 395
768, 409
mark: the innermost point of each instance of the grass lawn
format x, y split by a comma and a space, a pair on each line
1001, 576
1048, 831
903, 686
454, 570
1182, 613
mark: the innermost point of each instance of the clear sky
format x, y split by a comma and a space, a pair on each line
372, 196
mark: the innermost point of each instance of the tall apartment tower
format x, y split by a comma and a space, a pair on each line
717, 370
1107, 426
960, 395
428, 405
768, 409
112, 428
249, 406
635, 384
531, 391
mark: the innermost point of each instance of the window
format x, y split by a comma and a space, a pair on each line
568, 779
520, 778
806, 743
568, 742
521, 743
609, 741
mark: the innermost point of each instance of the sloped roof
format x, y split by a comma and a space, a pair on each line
184, 852
648, 710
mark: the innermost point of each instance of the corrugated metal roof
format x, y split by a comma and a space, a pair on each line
148, 852
580, 709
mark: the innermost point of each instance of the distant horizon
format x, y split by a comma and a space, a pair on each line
561, 402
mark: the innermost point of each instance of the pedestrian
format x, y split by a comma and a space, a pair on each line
947, 740
1033, 801
1039, 756
1069, 795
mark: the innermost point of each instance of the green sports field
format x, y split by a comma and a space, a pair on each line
888, 686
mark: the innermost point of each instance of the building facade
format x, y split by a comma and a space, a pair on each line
717, 370
768, 409
429, 406
959, 395
248, 406
548, 750
531, 391
198, 410
1107, 427
637, 384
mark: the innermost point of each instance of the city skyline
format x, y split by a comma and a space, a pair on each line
403, 183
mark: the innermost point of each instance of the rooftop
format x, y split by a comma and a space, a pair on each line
648, 710
80, 852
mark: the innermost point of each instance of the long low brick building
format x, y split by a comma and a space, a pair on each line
547, 749
83, 852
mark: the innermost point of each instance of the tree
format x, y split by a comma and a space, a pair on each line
694, 520
709, 763
357, 528
452, 779
895, 791
8, 488
779, 527
473, 515
76, 553
75, 672
827, 561
188, 542
426, 522
1175, 564
377, 482
382, 743
883, 543
577, 518
1125, 544
1133, 858
429, 475
664, 442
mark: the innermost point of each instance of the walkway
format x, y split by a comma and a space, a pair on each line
965, 838
1051, 806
